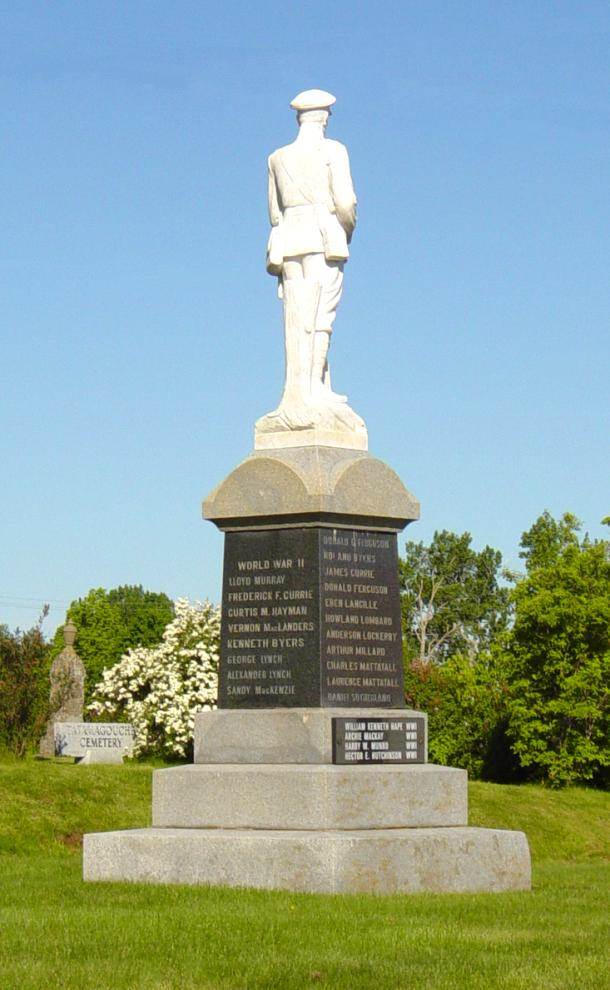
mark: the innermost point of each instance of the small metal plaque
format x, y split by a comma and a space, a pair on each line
379, 740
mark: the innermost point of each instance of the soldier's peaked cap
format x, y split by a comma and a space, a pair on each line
313, 99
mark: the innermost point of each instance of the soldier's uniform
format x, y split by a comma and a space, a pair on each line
312, 209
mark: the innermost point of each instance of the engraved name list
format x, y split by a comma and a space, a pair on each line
311, 617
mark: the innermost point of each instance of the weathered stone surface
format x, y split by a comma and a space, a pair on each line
314, 437
307, 483
67, 693
384, 861
275, 735
309, 797
94, 742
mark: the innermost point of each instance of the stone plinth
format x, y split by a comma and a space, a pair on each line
311, 601
290, 735
382, 861
316, 436
305, 823
309, 797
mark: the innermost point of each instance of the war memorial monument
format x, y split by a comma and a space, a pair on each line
311, 774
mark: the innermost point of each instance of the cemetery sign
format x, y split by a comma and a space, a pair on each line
94, 742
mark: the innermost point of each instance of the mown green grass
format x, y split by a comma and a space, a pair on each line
570, 825
45, 802
60, 934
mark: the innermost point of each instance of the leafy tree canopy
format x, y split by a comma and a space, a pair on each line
452, 600
547, 539
109, 623
559, 651
24, 686
466, 704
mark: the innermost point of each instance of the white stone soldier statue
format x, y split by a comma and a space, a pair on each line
312, 209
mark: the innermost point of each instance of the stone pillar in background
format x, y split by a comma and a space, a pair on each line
67, 690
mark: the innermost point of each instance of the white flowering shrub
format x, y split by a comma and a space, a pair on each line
159, 689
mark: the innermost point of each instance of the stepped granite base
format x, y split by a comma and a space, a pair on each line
382, 861
304, 798
311, 775
233, 819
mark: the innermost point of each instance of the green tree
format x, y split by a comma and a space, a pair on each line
559, 654
109, 623
452, 599
24, 686
547, 539
466, 703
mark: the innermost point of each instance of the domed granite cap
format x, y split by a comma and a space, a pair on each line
311, 486
313, 99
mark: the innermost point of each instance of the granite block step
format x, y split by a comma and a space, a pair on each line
309, 797
279, 735
381, 861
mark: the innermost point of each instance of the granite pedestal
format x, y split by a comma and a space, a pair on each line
380, 861
312, 774
278, 735
308, 826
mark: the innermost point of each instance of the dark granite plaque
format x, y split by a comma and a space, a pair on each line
361, 640
377, 740
270, 620
310, 617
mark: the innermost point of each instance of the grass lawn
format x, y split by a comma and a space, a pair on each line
57, 933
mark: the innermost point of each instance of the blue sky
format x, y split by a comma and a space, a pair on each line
141, 336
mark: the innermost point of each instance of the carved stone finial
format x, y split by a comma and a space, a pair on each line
69, 633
